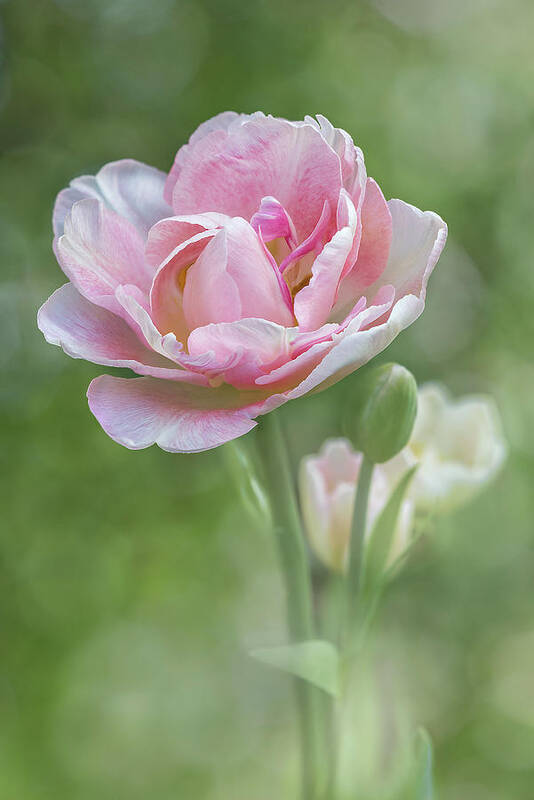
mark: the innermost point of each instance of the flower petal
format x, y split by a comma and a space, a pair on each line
233, 279
87, 331
231, 171
168, 234
418, 237
166, 294
313, 303
373, 251
220, 122
274, 222
355, 348
139, 412
100, 250
132, 189
242, 350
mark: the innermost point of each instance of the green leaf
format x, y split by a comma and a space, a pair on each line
379, 543
424, 783
315, 661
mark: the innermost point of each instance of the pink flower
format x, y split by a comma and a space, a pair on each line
327, 488
266, 265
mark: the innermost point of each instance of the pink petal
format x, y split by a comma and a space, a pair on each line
137, 314
99, 250
418, 238
314, 302
231, 171
241, 350
312, 242
168, 234
87, 331
309, 350
139, 412
233, 279
166, 294
132, 189
274, 222
373, 252
220, 122
356, 348
340, 141
295, 370
376, 235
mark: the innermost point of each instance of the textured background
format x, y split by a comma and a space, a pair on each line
130, 583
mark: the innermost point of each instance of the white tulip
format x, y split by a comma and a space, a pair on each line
458, 446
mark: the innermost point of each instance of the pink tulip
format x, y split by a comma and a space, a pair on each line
327, 487
264, 266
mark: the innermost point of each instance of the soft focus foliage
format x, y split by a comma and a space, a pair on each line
131, 583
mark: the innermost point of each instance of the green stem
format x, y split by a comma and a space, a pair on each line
352, 612
359, 523
296, 574
354, 616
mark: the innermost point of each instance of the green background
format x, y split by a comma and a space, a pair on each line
131, 583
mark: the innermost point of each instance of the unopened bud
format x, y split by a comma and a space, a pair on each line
381, 416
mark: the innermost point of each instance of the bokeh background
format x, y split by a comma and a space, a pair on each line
131, 583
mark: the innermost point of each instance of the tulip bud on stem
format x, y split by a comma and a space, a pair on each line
379, 424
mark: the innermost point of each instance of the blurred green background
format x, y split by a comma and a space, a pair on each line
131, 584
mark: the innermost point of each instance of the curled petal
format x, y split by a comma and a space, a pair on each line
166, 294
274, 222
373, 251
169, 234
312, 242
87, 331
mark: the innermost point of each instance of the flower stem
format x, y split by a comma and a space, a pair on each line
295, 568
352, 612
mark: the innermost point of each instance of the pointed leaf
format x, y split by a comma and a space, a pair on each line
379, 543
315, 661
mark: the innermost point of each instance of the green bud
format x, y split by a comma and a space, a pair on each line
381, 416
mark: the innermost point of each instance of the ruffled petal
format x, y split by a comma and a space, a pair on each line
354, 348
139, 412
231, 171
373, 251
241, 350
84, 330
